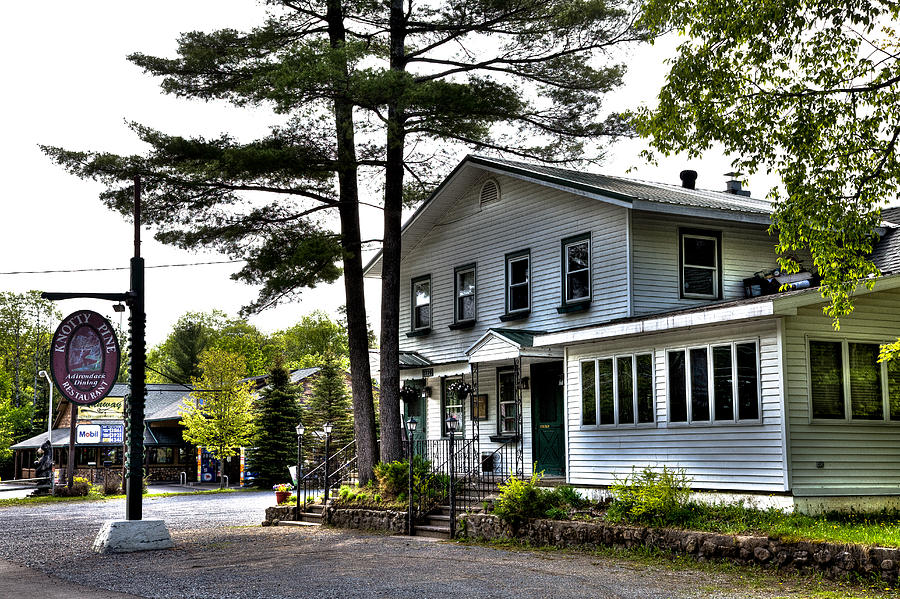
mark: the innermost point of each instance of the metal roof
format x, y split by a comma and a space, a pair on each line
411, 359
622, 191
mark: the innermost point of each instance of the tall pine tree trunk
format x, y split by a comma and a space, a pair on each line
357, 329
389, 414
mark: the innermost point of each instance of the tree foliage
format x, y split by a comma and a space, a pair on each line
329, 402
217, 415
277, 413
809, 90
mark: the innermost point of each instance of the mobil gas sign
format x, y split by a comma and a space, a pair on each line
87, 433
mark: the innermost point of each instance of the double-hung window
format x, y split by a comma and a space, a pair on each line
701, 259
617, 391
576, 269
847, 379
464, 288
421, 303
507, 413
518, 283
453, 406
714, 383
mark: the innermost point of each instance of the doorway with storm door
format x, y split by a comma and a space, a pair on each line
547, 418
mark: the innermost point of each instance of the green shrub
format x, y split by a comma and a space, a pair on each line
393, 477
521, 499
81, 487
650, 497
566, 495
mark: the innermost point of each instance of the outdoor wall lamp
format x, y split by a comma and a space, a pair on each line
523, 384
300, 429
426, 391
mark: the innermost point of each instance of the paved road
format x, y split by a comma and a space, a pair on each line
222, 552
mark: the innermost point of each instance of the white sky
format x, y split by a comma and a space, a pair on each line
67, 83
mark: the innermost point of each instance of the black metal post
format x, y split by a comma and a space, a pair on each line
134, 404
300, 475
409, 442
452, 492
327, 473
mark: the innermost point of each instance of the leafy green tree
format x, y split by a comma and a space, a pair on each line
315, 335
329, 402
481, 74
809, 90
277, 413
218, 413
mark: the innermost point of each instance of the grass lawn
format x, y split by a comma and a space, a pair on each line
882, 529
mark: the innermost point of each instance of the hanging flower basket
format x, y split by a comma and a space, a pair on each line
461, 388
409, 393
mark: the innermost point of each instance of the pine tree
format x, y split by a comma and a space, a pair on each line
275, 440
329, 403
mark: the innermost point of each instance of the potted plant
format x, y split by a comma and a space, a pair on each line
408, 393
282, 492
461, 388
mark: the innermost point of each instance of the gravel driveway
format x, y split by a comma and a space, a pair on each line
222, 552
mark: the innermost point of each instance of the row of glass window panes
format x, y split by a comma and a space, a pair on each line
709, 383
617, 390
714, 383
846, 378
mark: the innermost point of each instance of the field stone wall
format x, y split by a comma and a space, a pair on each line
834, 560
381, 520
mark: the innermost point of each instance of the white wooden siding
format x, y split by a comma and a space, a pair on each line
746, 249
743, 456
859, 457
528, 216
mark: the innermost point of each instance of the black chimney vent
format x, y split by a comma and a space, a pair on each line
688, 179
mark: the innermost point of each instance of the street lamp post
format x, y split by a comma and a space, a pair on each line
327, 428
46, 375
300, 431
452, 423
411, 427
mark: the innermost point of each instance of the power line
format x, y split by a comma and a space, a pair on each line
71, 270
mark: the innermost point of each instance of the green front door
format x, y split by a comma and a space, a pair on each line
416, 407
547, 417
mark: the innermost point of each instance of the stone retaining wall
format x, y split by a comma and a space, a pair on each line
276, 513
832, 559
381, 520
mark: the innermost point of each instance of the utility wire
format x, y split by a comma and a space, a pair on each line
45, 272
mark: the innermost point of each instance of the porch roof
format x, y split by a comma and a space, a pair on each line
411, 359
507, 344
766, 306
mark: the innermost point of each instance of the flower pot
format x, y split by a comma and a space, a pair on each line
462, 395
282, 496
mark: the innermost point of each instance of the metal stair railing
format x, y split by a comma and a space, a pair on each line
314, 480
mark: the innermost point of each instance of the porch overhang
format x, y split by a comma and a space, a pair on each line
501, 345
768, 306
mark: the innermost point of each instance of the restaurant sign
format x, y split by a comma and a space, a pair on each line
84, 357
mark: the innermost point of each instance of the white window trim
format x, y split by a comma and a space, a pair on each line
457, 317
845, 342
567, 272
416, 281
510, 285
710, 385
615, 383
716, 269
501, 403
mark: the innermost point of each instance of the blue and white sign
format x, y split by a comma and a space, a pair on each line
100, 434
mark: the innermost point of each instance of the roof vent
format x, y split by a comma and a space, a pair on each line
733, 186
688, 179
490, 191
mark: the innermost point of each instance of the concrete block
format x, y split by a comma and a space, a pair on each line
126, 536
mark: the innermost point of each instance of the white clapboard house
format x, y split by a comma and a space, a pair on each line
607, 323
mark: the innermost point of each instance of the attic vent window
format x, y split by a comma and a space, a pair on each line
490, 191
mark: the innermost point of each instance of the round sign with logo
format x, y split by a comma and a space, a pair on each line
84, 357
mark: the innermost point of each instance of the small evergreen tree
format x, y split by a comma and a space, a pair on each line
329, 402
275, 439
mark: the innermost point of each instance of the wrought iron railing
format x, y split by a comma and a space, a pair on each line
340, 469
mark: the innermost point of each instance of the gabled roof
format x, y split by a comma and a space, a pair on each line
503, 344
621, 191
